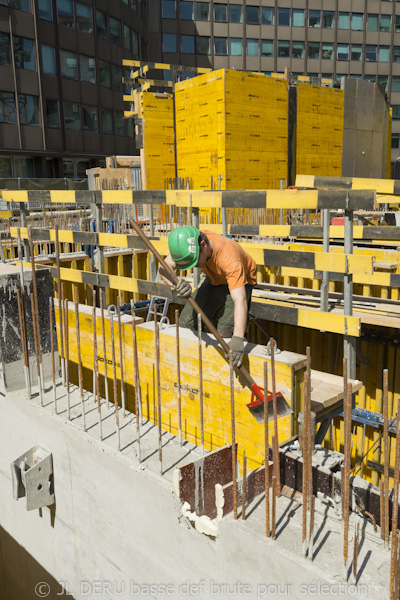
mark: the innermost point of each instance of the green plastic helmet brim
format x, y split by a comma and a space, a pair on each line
183, 244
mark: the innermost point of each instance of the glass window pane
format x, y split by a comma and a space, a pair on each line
298, 18
356, 52
221, 45
187, 44
297, 49
23, 167
187, 12
384, 53
314, 18
169, 42
81, 168
220, 13
101, 24
395, 140
168, 9
267, 47
357, 21
267, 15
84, 19
397, 23
69, 65
104, 73
65, 12
283, 48
52, 114
28, 109
328, 19
284, 16
396, 53
395, 84
384, 80
87, 68
370, 78
327, 51
72, 115
49, 60
202, 11
344, 20
135, 42
343, 52
45, 10
370, 53
119, 123
143, 49
253, 15
127, 37
5, 49
203, 44
7, 108
115, 31
106, 121
313, 49
235, 46
24, 5
90, 118
235, 14
395, 113
23, 53
252, 47
372, 22
386, 22
116, 78
5, 165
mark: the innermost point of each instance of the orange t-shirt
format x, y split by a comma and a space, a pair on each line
229, 264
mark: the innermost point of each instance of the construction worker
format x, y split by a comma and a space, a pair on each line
224, 292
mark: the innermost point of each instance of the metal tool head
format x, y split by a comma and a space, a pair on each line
256, 406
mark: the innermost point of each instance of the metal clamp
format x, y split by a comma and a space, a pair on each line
32, 477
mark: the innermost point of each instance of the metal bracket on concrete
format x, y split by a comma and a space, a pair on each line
32, 477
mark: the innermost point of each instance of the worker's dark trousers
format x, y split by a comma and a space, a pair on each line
218, 305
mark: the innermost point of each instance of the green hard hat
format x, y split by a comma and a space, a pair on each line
183, 243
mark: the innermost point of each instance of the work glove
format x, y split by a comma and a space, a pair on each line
183, 288
236, 344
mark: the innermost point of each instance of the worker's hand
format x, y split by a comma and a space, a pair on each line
183, 288
236, 344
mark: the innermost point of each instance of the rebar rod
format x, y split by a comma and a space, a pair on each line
312, 518
121, 356
233, 433
266, 454
395, 511
114, 372
347, 465
273, 506
200, 382
78, 349
66, 322
35, 316
306, 450
23, 343
275, 410
53, 370
386, 455
382, 516
35, 336
355, 551
57, 248
244, 487
102, 302
178, 368
23, 313
343, 490
158, 378
137, 386
96, 389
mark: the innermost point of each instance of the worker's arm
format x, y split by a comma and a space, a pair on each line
183, 287
240, 314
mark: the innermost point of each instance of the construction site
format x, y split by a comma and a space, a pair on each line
145, 453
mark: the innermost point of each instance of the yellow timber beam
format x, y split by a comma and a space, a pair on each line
382, 186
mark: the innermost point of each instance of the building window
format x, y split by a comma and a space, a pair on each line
45, 10
84, 19
187, 12
106, 121
356, 52
127, 37
143, 49
252, 15
328, 19
7, 108
372, 22
384, 80
344, 20
327, 51
313, 50
72, 115
65, 12
5, 165
134, 5
24, 5
235, 13
202, 11
52, 114
396, 53
297, 49
397, 23
384, 54
90, 118
24, 56
119, 123
135, 42
370, 53
343, 52
298, 18
386, 22
48, 60
143, 10
267, 48
115, 31
221, 46
104, 73
169, 42
267, 15
357, 22
314, 18
220, 13
116, 78
87, 68
371, 78
28, 109
203, 44
284, 16
69, 65
23, 167
168, 9
283, 48
235, 46
395, 84
252, 47
101, 24
187, 44
5, 49
395, 140
395, 112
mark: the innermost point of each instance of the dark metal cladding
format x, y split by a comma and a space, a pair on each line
394, 280
41, 234
288, 258
103, 280
278, 314
238, 199
303, 231
154, 289
396, 187
245, 230
149, 197
358, 199
333, 183
84, 196
381, 233
39, 196
135, 242
90, 278
85, 237
332, 276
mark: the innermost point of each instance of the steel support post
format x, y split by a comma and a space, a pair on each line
98, 215
349, 342
325, 275
24, 223
153, 268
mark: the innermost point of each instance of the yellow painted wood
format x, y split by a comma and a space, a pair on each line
382, 186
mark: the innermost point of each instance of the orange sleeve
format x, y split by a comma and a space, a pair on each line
235, 275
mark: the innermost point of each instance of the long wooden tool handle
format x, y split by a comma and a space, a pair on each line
174, 279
